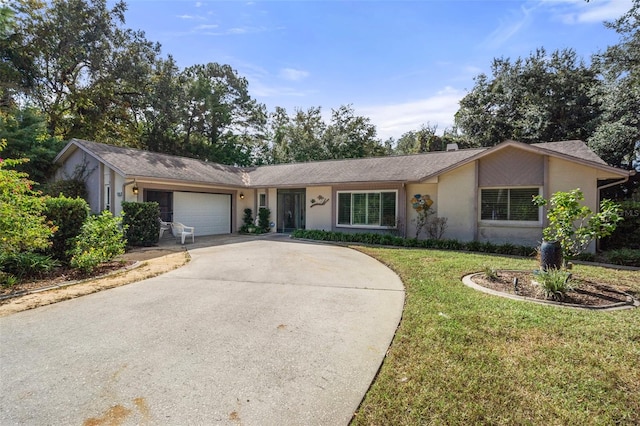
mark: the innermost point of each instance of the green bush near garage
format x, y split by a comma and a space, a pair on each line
143, 223
68, 215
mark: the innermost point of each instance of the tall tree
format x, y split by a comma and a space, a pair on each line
426, 139
221, 122
160, 121
617, 136
306, 137
298, 138
82, 68
541, 98
25, 132
351, 136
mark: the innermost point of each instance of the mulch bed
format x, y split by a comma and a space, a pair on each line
63, 275
585, 292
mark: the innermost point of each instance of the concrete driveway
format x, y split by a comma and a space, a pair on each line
263, 332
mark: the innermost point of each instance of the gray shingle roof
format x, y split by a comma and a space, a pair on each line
575, 148
407, 168
137, 163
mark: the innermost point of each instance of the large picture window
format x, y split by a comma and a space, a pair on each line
367, 208
515, 204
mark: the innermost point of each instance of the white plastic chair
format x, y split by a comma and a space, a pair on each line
182, 231
164, 226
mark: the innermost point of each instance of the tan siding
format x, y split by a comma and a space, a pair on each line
511, 167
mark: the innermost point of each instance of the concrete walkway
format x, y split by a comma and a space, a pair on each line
266, 331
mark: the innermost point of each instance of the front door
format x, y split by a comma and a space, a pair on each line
165, 202
291, 209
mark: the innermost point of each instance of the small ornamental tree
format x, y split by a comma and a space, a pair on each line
575, 226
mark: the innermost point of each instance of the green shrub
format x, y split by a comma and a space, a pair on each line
23, 226
28, 264
554, 283
627, 234
586, 257
68, 215
391, 240
247, 221
142, 221
490, 273
101, 239
506, 248
263, 219
7, 280
628, 257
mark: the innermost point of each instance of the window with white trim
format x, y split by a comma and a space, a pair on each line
509, 204
367, 208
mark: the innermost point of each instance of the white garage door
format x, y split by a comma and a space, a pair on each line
209, 213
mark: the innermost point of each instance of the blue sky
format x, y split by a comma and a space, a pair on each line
400, 63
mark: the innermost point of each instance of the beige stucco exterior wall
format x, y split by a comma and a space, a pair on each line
565, 176
272, 202
319, 216
523, 234
457, 202
423, 189
248, 202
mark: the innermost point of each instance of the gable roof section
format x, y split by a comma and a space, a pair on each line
135, 163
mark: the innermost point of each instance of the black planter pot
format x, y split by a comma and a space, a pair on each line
550, 255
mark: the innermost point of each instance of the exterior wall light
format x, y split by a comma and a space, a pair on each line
242, 196
135, 190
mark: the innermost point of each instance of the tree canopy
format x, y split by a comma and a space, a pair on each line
540, 98
72, 68
617, 135
306, 137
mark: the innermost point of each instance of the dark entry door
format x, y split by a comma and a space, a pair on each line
165, 201
291, 209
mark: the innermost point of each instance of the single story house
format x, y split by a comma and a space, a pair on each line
485, 193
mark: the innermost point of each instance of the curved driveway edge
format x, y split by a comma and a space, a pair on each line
264, 332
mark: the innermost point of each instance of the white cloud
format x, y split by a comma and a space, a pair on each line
509, 27
396, 119
293, 74
262, 83
198, 4
592, 12
187, 17
205, 27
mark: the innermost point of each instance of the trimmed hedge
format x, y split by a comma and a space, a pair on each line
68, 214
628, 257
143, 223
392, 240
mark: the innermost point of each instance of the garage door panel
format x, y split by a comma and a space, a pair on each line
209, 213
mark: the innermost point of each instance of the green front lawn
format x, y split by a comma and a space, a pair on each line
463, 357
